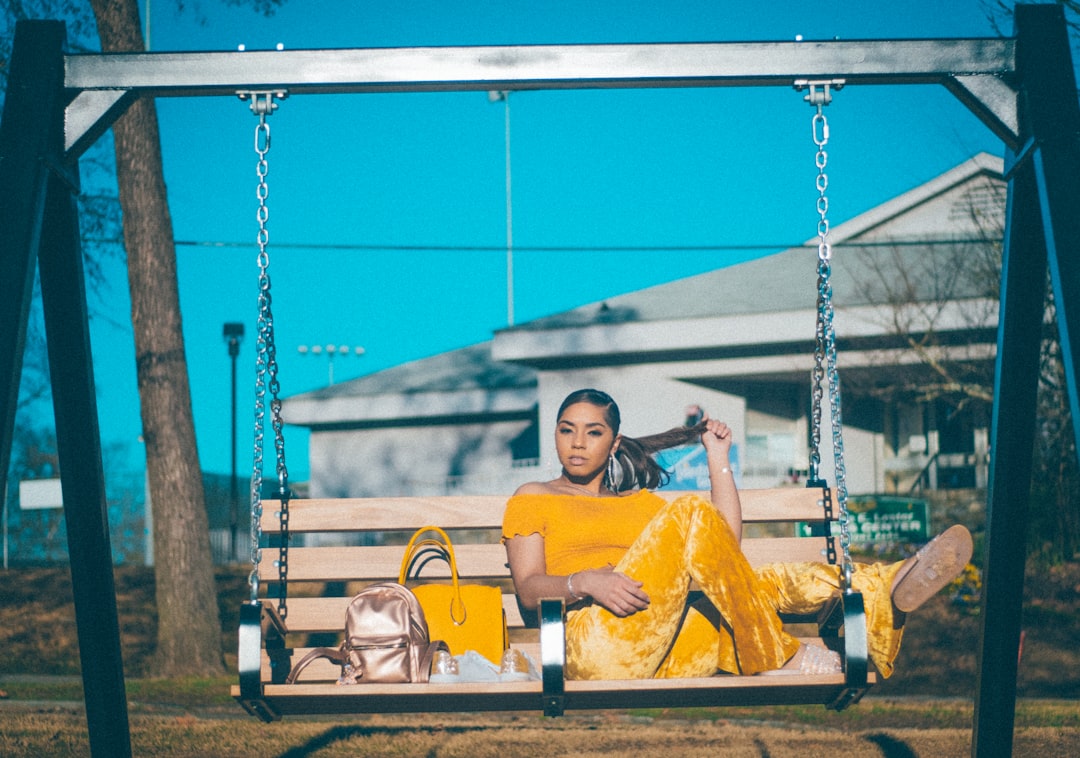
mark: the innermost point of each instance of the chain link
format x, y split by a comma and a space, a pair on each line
266, 373
820, 126
825, 364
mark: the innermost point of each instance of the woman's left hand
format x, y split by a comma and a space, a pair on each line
614, 590
717, 438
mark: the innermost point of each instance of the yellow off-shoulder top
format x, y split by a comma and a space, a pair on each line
580, 532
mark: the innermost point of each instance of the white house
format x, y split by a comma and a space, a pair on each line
738, 341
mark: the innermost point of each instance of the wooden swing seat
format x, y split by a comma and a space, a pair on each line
323, 576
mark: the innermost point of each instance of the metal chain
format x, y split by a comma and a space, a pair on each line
825, 365
819, 126
266, 370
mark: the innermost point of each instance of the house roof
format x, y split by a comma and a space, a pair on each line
745, 302
905, 226
466, 368
453, 385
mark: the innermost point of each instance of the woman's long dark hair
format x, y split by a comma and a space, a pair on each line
636, 465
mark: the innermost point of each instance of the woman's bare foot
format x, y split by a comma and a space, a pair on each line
926, 573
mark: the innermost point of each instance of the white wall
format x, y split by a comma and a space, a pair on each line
416, 461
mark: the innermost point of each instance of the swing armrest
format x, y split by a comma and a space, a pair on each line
553, 654
259, 623
830, 619
274, 629
249, 652
855, 651
274, 623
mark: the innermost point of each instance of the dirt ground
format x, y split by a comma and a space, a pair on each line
58, 733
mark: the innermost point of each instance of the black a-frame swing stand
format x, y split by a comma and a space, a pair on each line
1022, 88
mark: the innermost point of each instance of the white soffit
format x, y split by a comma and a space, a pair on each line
306, 410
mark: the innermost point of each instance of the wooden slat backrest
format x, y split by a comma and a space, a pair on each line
485, 511
351, 566
477, 562
311, 614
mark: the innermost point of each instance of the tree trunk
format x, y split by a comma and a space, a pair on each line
188, 636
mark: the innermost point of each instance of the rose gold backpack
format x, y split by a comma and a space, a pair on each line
386, 639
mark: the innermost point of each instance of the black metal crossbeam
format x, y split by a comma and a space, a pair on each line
977, 70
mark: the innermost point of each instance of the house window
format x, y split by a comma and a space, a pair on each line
769, 455
525, 447
956, 447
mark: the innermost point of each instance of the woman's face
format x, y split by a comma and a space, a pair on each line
584, 440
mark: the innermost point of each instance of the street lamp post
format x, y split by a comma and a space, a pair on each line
503, 96
330, 351
233, 333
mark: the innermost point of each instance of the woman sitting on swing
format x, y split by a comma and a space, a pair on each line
623, 558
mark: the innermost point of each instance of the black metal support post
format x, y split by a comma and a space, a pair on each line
1012, 434
40, 220
1056, 164
81, 475
31, 105
1042, 229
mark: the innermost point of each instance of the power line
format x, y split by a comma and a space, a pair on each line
418, 247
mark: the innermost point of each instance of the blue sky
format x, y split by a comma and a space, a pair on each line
590, 169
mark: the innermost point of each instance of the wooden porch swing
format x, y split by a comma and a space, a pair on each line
1022, 88
273, 628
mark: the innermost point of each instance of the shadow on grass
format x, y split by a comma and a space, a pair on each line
345, 733
890, 746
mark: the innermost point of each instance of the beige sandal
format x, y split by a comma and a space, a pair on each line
937, 563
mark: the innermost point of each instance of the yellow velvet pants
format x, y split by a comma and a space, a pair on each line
736, 627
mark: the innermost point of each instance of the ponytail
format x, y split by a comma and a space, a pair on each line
636, 466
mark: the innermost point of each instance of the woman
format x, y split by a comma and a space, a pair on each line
623, 558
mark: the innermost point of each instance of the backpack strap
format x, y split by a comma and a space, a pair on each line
335, 654
429, 659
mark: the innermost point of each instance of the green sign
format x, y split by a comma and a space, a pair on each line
877, 519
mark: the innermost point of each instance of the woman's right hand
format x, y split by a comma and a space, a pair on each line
612, 590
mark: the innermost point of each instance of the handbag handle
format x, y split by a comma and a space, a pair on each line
416, 545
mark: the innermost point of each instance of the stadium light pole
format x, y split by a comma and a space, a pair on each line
496, 96
330, 351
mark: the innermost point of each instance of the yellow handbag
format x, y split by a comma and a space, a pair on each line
465, 617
